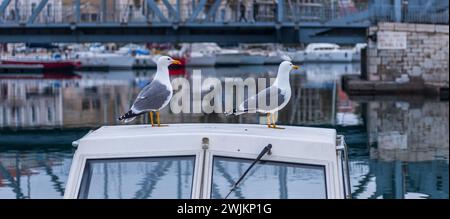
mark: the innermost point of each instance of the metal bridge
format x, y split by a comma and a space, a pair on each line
224, 21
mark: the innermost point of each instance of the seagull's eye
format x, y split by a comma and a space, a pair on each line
168, 59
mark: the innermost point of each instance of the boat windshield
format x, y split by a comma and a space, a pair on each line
140, 178
267, 180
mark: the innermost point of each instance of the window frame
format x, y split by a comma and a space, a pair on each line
80, 162
323, 168
104, 160
284, 158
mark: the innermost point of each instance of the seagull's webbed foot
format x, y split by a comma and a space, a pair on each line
273, 125
276, 127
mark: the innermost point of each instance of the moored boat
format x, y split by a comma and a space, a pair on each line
252, 58
19, 64
328, 52
196, 55
96, 60
229, 57
205, 160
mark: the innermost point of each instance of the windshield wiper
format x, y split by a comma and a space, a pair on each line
263, 152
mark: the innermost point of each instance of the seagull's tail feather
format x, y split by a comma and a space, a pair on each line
129, 116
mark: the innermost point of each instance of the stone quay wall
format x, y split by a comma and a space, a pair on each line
403, 52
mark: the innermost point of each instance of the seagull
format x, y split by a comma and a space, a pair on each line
280, 90
155, 95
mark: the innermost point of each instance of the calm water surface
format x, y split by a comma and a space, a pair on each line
399, 146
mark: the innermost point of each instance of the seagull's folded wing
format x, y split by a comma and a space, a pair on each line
152, 97
266, 100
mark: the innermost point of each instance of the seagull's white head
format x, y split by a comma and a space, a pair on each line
286, 67
165, 61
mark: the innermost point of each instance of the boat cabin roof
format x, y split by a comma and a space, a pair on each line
140, 138
290, 132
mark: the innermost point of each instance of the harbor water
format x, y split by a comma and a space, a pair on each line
399, 145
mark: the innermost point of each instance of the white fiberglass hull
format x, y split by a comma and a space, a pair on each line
252, 60
273, 60
106, 61
201, 61
327, 56
228, 59
144, 62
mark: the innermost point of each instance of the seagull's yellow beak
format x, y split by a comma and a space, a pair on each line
295, 67
176, 62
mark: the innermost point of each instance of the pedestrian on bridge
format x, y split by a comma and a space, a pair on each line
243, 10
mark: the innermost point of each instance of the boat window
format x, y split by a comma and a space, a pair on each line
267, 180
139, 178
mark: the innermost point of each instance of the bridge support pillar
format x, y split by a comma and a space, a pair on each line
398, 10
77, 11
280, 12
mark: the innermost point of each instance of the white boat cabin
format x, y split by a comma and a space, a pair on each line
203, 161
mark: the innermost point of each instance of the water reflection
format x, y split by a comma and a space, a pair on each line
34, 173
406, 153
399, 147
98, 98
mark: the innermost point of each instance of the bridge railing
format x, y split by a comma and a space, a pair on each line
216, 11
163, 12
409, 14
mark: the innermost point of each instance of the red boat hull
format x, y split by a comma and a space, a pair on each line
45, 65
178, 69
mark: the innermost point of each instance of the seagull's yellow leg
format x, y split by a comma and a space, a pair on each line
158, 119
151, 118
274, 125
268, 120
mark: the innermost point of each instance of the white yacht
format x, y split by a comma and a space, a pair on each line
253, 54
357, 51
100, 60
142, 56
229, 57
253, 58
197, 54
233, 56
328, 52
209, 161
275, 57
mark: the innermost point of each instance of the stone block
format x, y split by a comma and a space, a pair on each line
416, 71
373, 69
372, 53
374, 77
405, 27
374, 61
429, 28
385, 60
386, 26
373, 30
442, 29
428, 63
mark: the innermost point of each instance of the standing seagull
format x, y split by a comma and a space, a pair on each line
280, 91
155, 95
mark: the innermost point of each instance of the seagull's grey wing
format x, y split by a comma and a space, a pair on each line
152, 97
266, 100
